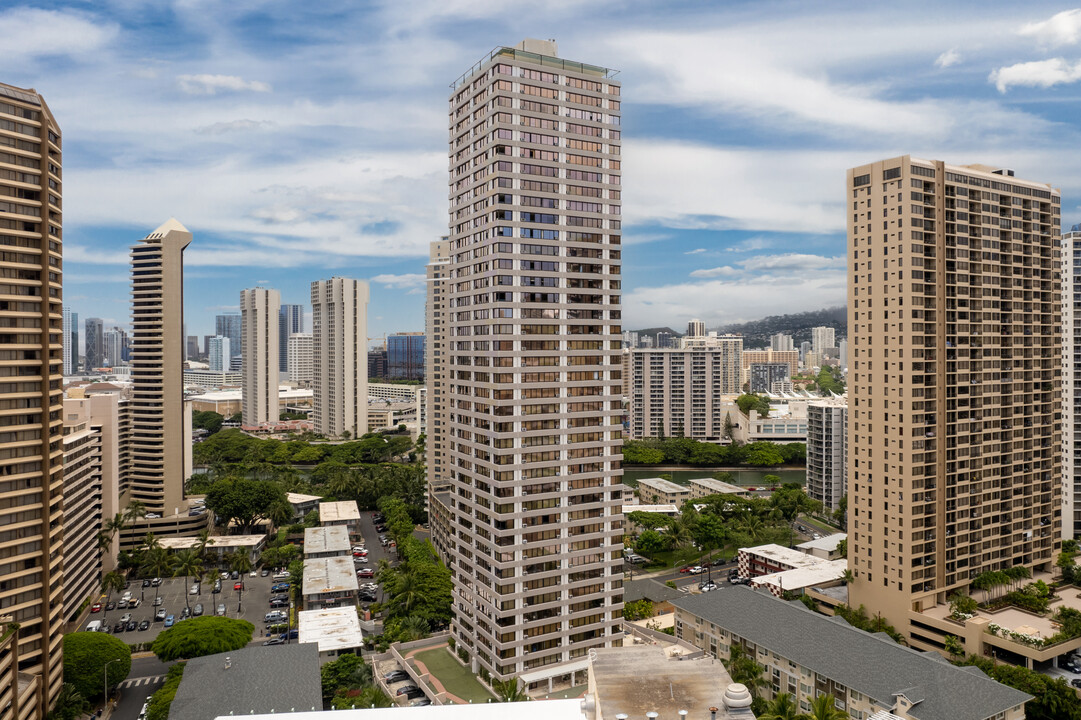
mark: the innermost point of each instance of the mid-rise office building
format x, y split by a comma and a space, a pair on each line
1071, 383
533, 362
230, 325
405, 356
436, 376
116, 347
758, 357
218, 353
377, 364
71, 341
158, 448
696, 328
679, 392
954, 312
781, 343
300, 358
260, 310
827, 450
339, 339
94, 340
822, 338
31, 464
192, 349
290, 322
666, 339
763, 377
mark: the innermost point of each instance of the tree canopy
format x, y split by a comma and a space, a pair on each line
1052, 699
749, 401
206, 635
686, 451
85, 657
244, 501
207, 420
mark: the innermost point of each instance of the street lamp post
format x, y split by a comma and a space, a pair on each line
107, 677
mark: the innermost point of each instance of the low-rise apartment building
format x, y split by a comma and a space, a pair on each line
701, 487
807, 654
327, 541
302, 504
336, 631
329, 582
658, 491
344, 512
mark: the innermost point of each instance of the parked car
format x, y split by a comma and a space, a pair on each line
235, 575
1071, 666
273, 616
275, 641
217, 587
366, 573
720, 563
1076, 682
253, 573
197, 610
158, 601
194, 589
111, 605
133, 603
360, 561
185, 613
421, 702
170, 620
279, 603
707, 587
144, 625
119, 627
160, 614
264, 572
122, 603
685, 568
406, 689
155, 582
132, 626
413, 694
395, 676
279, 587
96, 607
291, 635
238, 586
146, 583
283, 575
220, 612
697, 570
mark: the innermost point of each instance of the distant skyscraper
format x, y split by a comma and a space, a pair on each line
114, 347
95, 344
804, 348
377, 364
405, 356
31, 461
827, 450
71, 342
762, 376
300, 358
630, 339
780, 342
533, 355
193, 347
229, 325
218, 353
696, 328
664, 339
1071, 383
339, 339
842, 353
955, 396
290, 322
438, 381
260, 310
822, 338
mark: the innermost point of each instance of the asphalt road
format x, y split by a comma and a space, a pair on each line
146, 677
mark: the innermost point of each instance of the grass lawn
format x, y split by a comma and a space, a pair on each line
569, 693
675, 558
829, 529
455, 678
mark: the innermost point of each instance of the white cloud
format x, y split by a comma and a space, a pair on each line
751, 244
1063, 28
68, 32
212, 84
1039, 73
406, 281
220, 128
724, 271
696, 251
948, 58
792, 261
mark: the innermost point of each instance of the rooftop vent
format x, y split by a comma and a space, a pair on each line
737, 696
1003, 171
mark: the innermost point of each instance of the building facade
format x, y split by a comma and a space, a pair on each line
678, 392
405, 356
31, 463
827, 451
71, 342
781, 343
954, 393
218, 353
260, 313
230, 325
756, 357
94, 344
533, 361
300, 358
339, 339
1071, 383
696, 328
192, 349
435, 373
290, 322
84, 507
762, 376
822, 338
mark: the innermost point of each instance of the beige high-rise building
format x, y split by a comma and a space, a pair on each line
954, 383
822, 338
435, 373
84, 507
339, 357
533, 361
679, 393
158, 444
31, 224
260, 309
1071, 383
299, 352
696, 328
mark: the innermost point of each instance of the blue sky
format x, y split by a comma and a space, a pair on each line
303, 140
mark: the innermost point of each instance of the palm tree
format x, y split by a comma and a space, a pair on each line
110, 581
848, 577
510, 690
823, 708
188, 564
782, 707
280, 514
160, 563
752, 525
404, 592
69, 704
413, 628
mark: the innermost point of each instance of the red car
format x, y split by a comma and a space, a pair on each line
238, 586
366, 573
685, 568
96, 607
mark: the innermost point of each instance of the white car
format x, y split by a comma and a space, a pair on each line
283, 575
697, 570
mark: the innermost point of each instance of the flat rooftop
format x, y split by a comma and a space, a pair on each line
330, 629
828, 543
666, 509
718, 486
342, 511
216, 541
541, 710
799, 578
637, 679
328, 575
788, 556
662, 485
329, 538
300, 498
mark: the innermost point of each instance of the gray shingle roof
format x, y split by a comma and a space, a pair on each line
650, 590
868, 663
260, 679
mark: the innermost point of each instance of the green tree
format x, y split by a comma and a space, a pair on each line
743, 669
371, 697
638, 609
207, 420
111, 582
650, 543
206, 635
510, 690
162, 700
69, 704
763, 454
781, 707
648, 520
189, 564
824, 707
85, 657
954, 646
158, 562
748, 402
348, 672
243, 501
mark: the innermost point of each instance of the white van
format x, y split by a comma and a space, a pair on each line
93, 626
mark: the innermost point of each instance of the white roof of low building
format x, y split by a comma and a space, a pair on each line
666, 509
331, 538
285, 392
329, 575
799, 578
540, 710
332, 628
216, 541
300, 498
662, 485
337, 511
719, 486
781, 554
828, 543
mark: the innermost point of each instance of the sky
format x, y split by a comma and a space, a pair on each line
298, 141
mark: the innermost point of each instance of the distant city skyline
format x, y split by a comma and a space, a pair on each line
270, 151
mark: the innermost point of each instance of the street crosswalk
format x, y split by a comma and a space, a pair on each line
136, 682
